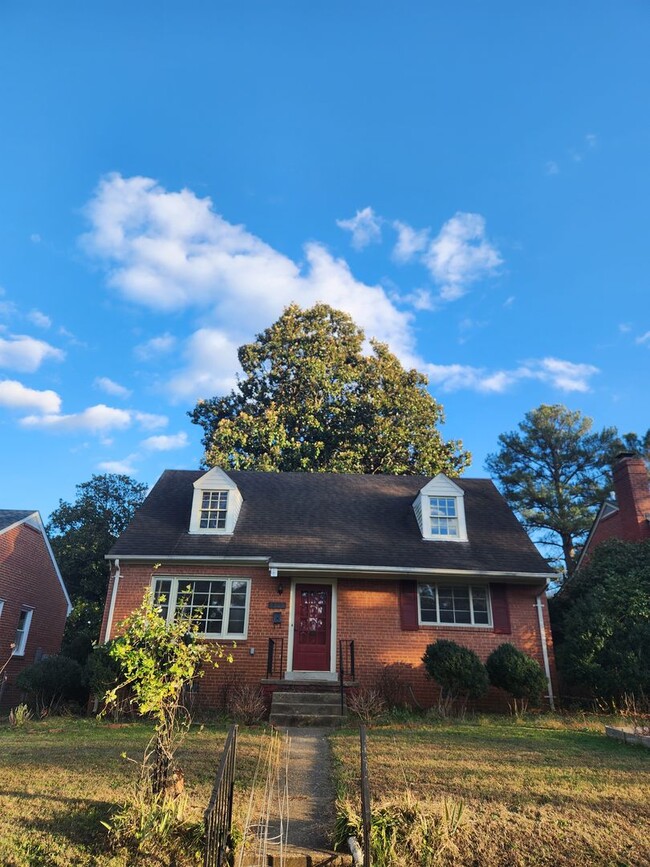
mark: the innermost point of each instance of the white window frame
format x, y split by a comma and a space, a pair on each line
19, 649
455, 517
443, 488
215, 481
471, 625
211, 509
178, 583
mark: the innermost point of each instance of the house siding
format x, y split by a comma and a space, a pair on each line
368, 612
28, 579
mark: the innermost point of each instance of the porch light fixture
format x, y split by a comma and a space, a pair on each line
280, 588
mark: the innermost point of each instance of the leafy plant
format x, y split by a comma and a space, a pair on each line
457, 670
517, 673
51, 681
19, 715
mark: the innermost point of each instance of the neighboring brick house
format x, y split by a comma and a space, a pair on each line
627, 515
295, 566
34, 603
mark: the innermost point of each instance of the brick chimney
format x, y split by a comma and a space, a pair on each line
632, 489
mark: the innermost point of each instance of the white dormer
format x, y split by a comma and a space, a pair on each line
440, 511
215, 504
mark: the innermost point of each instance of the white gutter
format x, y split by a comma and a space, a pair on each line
401, 570
542, 633
111, 608
179, 558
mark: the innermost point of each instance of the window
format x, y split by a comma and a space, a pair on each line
454, 604
2, 603
22, 631
220, 604
444, 516
214, 508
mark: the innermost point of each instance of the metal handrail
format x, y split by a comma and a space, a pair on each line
218, 815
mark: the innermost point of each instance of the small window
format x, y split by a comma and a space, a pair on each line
444, 516
220, 605
22, 631
214, 508
2, 605
454, 605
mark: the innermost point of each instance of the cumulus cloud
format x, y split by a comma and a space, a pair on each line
171, 251
26, 354
41, 320
15, 395
155, 347
111, 387
125, 467
164, 443
365, 228
410, 241
563, 375
98, 419
460, 255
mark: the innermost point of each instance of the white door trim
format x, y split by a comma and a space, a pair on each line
324, 675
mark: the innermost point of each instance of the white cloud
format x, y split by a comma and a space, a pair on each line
15, 395
410, 241
124, 467
420, 299
95, 419
563, 375
150, 421
552, 168
365, 227
20, 352
460, 255
166, 443
644, 338
111, 387
36, 317
591, 139
155, 347
170, 251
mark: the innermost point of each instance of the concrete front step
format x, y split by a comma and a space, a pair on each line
306, 709
296, 857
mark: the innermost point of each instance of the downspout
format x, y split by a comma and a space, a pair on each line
111, 607
542, 632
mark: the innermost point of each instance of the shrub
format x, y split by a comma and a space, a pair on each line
457, 670
513, 671
53, 680
367, 704
393, 685
246, 704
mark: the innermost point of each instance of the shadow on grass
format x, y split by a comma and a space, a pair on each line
79, 822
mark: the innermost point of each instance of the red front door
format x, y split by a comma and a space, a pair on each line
311, 630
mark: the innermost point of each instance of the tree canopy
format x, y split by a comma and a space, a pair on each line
311, 399
554, 472
81, 533
601, 622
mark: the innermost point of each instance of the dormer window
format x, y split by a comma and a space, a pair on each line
214, 508
440, 511
444, 516
216, 504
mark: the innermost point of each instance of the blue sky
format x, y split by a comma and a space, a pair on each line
469, 180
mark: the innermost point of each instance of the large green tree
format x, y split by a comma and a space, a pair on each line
601, 623
312, 398
81, 533
554, 472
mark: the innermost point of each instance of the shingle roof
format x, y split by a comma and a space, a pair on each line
12, 516
332, 519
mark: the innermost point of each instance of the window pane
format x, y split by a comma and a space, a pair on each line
428, 607
236, 621
162, 589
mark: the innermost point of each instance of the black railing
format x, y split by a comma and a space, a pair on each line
218, 816
275, 657
365, 798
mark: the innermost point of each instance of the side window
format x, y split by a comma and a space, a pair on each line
22, 631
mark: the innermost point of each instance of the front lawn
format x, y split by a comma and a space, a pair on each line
60, 778
542, 792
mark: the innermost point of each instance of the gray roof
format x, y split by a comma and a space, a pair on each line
332, 519
12, 516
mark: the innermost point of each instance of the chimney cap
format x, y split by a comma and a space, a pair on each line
621, 456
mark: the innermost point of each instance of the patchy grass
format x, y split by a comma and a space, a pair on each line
60, 778
539, 791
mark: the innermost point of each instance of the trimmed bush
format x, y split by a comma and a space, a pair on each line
102, 671
53, 680
458, 671
517, 673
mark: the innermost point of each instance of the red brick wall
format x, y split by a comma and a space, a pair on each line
28, 578
633, 499
367, 611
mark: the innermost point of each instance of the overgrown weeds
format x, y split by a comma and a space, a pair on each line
366, 704
245, 704
19, 716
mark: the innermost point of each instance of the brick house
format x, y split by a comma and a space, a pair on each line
303, 570
626, 516
34, 603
